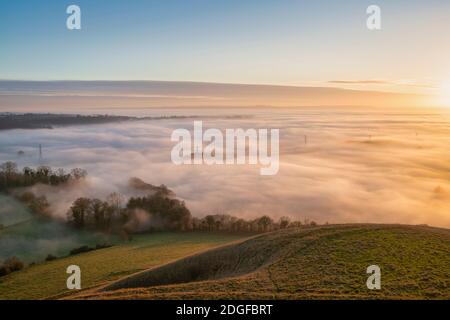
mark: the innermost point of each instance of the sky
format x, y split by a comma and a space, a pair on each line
303, 43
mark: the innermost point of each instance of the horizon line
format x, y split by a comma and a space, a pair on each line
221, 83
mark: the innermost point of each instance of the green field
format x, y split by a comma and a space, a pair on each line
98, 267
327, 262
324, 262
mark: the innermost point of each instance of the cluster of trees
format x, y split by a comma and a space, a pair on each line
166, 212
37, 205
95, 214
11, 177
157, 211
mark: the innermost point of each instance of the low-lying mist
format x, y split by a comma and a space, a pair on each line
32, 239
336, 166
12, 212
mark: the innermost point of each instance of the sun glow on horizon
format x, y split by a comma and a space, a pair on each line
444, 94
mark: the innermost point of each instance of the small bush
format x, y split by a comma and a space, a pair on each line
84, 249
4, 271
80, 250
50, 257
10, 265
103, 246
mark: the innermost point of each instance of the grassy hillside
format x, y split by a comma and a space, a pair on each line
105, 265
323, 262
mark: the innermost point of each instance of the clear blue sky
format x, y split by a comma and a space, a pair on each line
246, 41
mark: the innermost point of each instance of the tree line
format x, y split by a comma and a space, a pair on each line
225, 222
159, 210
11, 177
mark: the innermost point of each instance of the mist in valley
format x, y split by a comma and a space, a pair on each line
32, 239
335, 166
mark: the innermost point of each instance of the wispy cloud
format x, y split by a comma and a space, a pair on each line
410, 83
359, 82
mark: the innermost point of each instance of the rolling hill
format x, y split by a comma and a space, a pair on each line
47, 280
326, 262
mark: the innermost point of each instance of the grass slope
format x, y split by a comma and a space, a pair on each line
325, 262
102, 266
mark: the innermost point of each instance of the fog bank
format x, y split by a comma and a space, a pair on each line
351, 167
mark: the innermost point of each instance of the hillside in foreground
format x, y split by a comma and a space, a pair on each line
327, 262
48, 279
